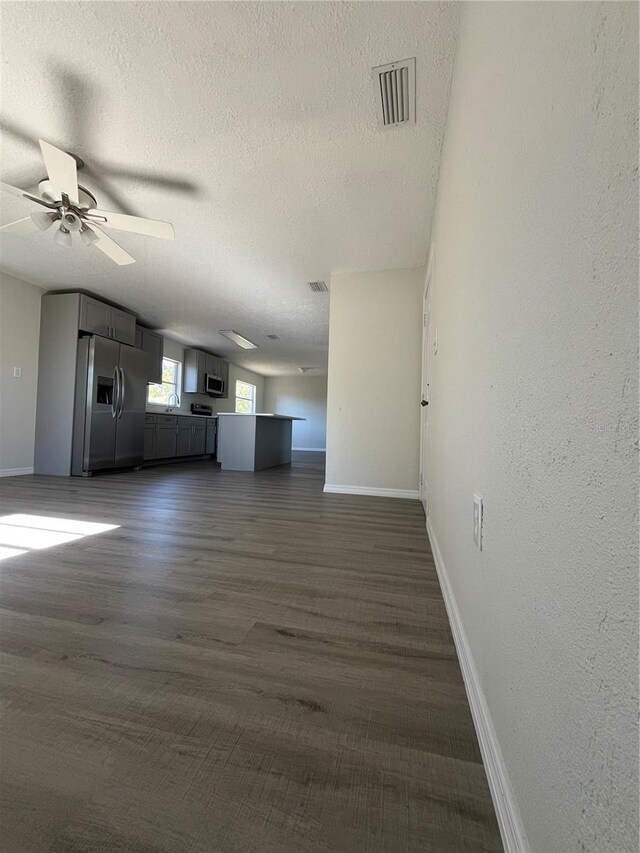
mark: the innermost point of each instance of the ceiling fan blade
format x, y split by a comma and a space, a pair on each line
111, 249
24, 194
21, 227
62, 171
150, 227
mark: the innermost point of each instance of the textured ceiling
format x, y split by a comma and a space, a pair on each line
250, 126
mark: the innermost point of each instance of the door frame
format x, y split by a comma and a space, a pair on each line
425, 387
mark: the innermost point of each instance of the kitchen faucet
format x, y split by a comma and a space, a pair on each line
177, 401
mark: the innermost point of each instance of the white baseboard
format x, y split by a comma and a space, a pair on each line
15, 472
312, 449
509, 820
408, 494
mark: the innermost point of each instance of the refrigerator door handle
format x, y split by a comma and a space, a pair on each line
121, 391
116, 394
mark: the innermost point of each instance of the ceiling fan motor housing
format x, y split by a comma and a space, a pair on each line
86, 198
71, 221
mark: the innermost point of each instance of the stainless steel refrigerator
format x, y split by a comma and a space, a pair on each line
111, 388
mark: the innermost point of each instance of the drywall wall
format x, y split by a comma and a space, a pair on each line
19, 338
305, 397
534, 402
374, 382
175, 349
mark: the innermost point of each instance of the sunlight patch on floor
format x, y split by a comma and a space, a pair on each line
21, 532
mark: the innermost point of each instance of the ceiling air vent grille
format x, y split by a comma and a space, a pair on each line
318, 286
396, 92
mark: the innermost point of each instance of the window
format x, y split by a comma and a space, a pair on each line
245, 398
169, 392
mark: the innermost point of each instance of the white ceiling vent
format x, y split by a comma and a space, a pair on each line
318, 286
395, 86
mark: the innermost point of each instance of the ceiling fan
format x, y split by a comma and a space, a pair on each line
73, 209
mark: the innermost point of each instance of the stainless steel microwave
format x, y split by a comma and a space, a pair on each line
214, 385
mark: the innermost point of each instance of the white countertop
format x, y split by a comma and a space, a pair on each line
179, 414
259, 415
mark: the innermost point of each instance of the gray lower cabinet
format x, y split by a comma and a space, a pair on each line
198, 438
149, 451
166, 441
176, 436
184, 438
160, 436
192, 434
212, 430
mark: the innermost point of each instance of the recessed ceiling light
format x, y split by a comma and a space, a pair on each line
237, 339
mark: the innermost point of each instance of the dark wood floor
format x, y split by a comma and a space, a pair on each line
246, 665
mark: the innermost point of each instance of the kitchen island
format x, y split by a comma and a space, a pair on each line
252, 442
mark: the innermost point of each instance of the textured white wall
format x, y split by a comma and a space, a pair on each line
306, 397
19, 341
373, 418
534, 401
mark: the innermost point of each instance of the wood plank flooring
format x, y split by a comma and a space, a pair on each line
244, 665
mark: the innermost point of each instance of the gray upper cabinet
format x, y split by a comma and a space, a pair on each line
98, 318
211, 364
197, 364
95, 316
194, 371
224, 373
153, 344
123, 326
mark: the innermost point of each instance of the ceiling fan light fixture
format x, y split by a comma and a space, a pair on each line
245, 343
44, 220
63, 236
88, 236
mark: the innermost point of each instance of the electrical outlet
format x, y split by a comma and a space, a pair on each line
17, 373
477, 521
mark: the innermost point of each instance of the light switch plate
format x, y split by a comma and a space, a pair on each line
477, 521
17, 372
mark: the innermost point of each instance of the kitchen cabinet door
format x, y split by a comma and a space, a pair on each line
224, 373
166, 441
149, 451
198, 439
210, 445
123, 327
153, 344
95, 316
194, 370
184, 441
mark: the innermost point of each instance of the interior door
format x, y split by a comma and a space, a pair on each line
425, 401
131, 407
